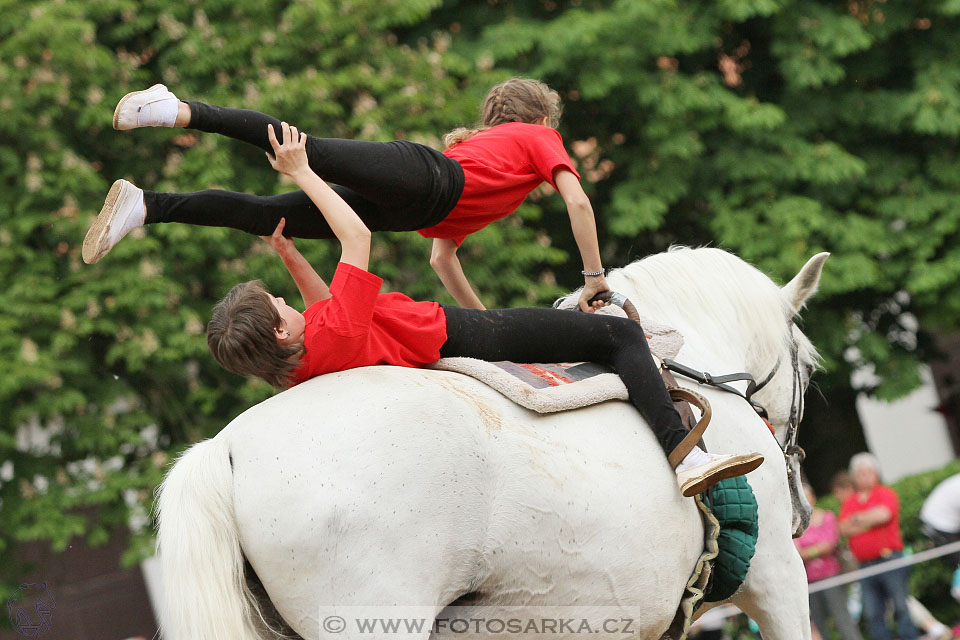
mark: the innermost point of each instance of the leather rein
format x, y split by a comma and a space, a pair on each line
790, 448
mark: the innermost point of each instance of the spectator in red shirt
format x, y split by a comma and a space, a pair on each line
350, 324
870, 518
484, 175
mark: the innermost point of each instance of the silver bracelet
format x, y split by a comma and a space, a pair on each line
594, 273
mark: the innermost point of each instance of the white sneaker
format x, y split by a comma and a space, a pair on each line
694, 480
153, 107
122, 211
940, 632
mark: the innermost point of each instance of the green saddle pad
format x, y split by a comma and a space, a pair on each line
735, 507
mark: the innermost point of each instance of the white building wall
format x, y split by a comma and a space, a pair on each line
907, 435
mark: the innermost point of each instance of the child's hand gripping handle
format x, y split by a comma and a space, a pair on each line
612, 297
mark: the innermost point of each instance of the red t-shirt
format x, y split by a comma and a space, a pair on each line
501, 165
872, 544
357, 326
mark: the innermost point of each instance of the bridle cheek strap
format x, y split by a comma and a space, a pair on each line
790, 446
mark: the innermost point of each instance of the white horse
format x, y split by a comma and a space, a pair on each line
386, 486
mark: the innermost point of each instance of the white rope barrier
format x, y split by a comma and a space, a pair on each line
729, 610
883, 567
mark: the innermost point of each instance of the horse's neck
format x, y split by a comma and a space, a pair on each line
714, 330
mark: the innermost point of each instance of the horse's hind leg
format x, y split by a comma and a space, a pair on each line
775, 596
389, 588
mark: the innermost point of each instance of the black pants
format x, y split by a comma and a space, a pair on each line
555, 335
832, 603
940, 538
393, 186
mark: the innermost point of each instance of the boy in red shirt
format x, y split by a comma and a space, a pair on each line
350, 324
870, 518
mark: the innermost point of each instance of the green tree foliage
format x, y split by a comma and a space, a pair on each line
774, 128
107, 365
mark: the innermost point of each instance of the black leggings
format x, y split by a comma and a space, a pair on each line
555, 335
393, 186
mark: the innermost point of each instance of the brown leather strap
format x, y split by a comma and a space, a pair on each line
679, 395
690, 440
682, 407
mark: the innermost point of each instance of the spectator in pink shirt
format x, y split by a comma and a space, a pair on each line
819, 548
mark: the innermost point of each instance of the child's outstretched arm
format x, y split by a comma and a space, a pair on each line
444, 260
311, 285
291, 158
584, 226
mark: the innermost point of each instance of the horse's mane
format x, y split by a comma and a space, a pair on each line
745, 308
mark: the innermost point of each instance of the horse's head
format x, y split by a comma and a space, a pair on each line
735, 318
782, 395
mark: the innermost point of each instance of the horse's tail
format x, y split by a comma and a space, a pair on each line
205, 594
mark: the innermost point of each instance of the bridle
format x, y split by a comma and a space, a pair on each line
790, 448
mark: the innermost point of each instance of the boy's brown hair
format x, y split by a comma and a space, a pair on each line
241, 335
516, 100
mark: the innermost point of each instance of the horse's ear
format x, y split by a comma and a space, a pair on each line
805, 283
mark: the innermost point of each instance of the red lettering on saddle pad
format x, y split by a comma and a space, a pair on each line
550, 377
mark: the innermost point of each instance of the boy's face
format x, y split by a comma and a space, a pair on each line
292, 323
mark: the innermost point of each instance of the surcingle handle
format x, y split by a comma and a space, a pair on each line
620, 300
680, 395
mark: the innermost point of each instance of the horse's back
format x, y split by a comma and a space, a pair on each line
433, 485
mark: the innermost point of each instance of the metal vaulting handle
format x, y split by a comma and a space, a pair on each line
620, 300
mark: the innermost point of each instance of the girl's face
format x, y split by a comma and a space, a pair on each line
292, 322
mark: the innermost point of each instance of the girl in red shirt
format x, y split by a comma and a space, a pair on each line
351, 324
484, 175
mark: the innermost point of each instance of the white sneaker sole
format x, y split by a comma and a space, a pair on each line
123, 101
736, 466
93, 244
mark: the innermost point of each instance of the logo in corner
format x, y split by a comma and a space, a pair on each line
30, 609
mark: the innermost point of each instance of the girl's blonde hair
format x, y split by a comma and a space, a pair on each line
516, 100
242, 339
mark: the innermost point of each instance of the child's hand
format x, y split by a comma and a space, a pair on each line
290, 157
277, 241
592, 287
